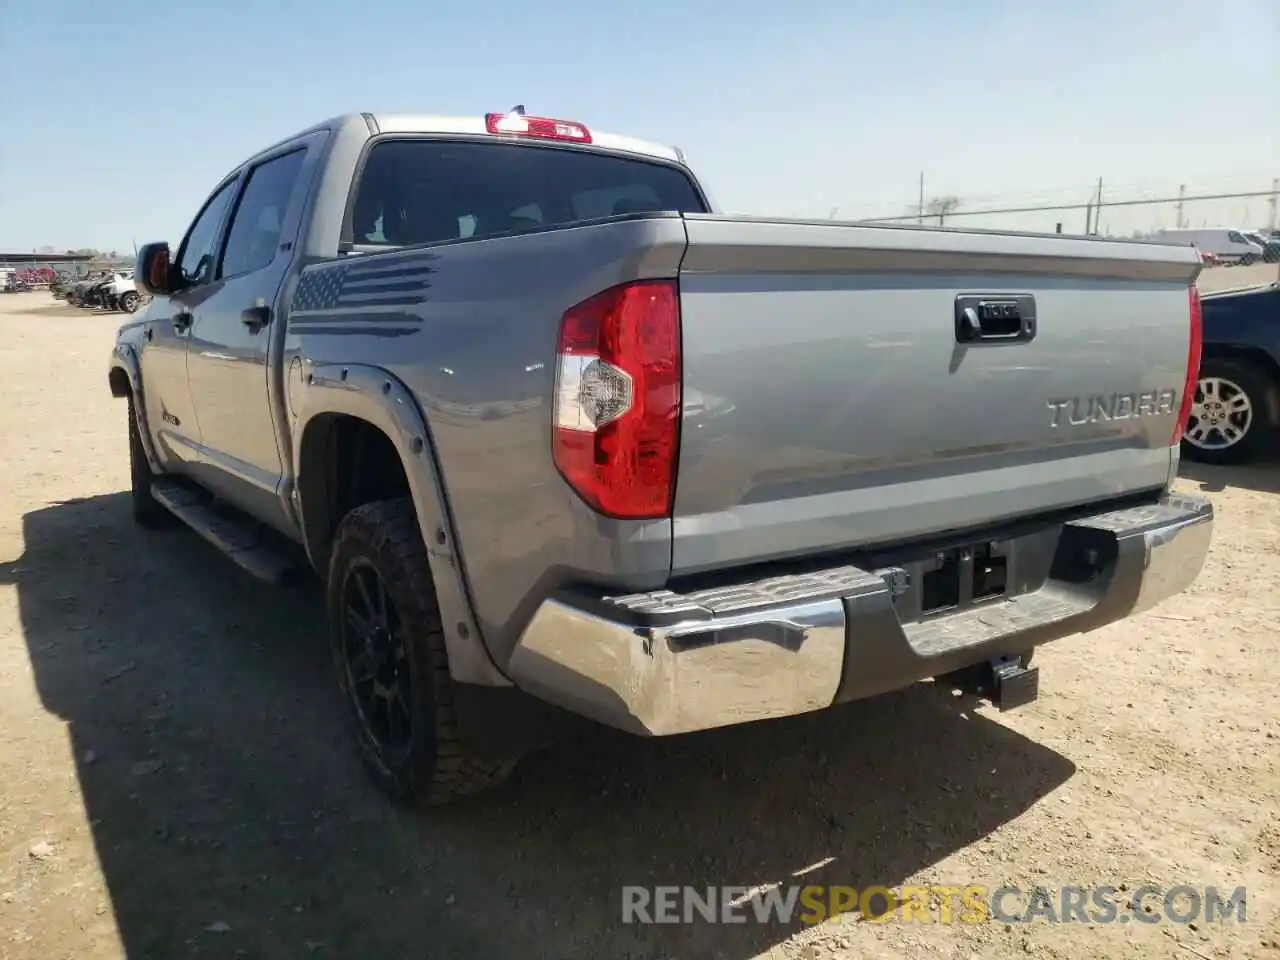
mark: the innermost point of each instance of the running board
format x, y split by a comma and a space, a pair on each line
243, 540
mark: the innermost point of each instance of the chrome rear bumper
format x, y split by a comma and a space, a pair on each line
664, 663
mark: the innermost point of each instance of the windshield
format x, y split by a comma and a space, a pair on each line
424, 191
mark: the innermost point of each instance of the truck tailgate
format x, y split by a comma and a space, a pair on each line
836, 394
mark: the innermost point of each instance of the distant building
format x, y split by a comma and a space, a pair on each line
36, 259
72, 263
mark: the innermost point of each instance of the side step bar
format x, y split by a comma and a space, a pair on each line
243, 540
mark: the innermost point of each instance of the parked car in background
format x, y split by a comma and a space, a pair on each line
1235, 415
61, 284
95, 295
120, 293
1225, 243
104, 290
1270, 245
80, 289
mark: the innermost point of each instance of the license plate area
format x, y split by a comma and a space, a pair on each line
961, 577
955, 578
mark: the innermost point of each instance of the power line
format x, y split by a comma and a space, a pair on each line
1221, 183
1080, 206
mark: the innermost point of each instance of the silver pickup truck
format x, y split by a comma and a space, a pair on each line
563, 441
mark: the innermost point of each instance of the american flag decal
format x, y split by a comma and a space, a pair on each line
355, 297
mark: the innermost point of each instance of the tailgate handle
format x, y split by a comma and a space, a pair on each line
995, 318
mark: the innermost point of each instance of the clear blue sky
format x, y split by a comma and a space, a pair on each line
118, 117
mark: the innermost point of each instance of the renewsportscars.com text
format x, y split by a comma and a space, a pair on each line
937, 903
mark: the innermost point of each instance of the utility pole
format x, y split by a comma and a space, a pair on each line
1275, 193
920, 208
1182, 190
1088, 217
1097, 208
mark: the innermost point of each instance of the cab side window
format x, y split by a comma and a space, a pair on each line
254, 235
199, 250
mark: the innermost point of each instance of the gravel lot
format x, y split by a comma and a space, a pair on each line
175, 779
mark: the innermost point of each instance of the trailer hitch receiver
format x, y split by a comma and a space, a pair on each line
1005, 681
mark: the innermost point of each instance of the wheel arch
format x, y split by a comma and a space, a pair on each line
337, 405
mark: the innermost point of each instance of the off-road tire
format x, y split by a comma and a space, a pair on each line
146, 512
1258, 387
436, 768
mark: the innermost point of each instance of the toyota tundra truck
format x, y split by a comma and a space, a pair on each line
564, 441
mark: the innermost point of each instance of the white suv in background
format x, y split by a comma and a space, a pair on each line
122, 294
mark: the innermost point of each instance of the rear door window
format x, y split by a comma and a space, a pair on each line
254, 236
426, 191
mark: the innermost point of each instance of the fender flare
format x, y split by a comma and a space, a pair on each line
372, 394
125, 359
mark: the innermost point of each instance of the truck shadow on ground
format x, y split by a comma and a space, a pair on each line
66, 311
1262, 476
231, 819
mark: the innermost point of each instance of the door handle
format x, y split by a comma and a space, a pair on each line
996, 318
182, 322
255, 318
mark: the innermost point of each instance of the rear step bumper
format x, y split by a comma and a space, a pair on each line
666, 662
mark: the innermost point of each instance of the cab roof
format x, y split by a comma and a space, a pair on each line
377, 123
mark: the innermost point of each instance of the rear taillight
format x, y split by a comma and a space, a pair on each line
618, 399
543, 128
1193, 363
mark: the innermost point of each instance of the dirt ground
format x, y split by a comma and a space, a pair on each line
175, 779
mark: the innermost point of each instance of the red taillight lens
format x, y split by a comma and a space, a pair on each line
544, 128
618, 399
1193, 363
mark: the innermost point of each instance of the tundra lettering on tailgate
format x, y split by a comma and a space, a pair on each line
1115, 406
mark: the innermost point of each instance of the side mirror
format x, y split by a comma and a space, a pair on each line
153, 273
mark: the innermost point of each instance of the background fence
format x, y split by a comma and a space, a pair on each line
1246, 201
31, 266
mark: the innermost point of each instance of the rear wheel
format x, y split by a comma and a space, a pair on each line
129, 302
389, 653
1230, 415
